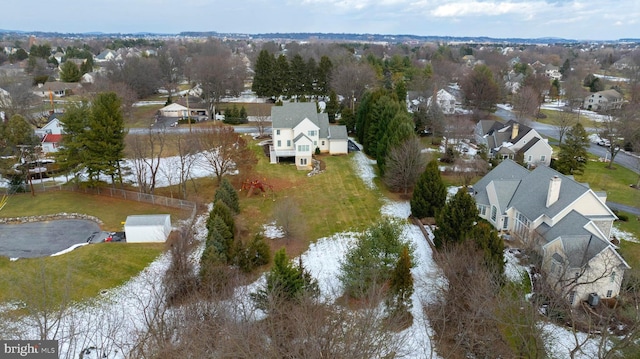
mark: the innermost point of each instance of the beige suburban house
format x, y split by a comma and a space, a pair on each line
514, 141
603, 100
298, 129
566, 222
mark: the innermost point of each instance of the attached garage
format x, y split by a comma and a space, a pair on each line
147, 228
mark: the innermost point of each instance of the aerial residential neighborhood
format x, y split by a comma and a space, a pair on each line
214, 195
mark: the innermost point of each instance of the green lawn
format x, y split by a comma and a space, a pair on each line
111, 211
77, 275
553, 115
333, 201
614, 181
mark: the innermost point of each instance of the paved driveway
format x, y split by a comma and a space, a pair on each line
40, 239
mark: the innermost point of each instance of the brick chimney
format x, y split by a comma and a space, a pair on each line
514, 130
554, 190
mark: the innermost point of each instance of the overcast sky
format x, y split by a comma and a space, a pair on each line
579, 19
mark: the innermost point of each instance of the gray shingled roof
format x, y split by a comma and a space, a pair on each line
338, 132
289, 115
506, 170
573, 223
580, 249
532, 201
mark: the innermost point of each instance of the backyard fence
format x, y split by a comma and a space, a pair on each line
127, 195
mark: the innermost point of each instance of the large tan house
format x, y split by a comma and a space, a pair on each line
512, 140
566, 222
603, 101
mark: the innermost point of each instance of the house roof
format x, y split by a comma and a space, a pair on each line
289, 115
610, 94
147, 220
173, 107
338, 132
51, 138
529, 144
531, 201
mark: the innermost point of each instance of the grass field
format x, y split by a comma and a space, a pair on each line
614, 181
111, 211
552, 119
331, 202
75, 276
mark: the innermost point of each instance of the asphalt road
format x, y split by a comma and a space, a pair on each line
38, 239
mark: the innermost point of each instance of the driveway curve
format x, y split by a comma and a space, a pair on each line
38, 239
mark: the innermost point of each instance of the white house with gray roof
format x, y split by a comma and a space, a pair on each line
298, 129
512, 140
565, 221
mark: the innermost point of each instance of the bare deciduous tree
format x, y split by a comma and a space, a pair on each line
223, 150
404, 165
146, 152
287, 216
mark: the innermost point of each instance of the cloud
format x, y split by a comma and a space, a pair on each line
486, 8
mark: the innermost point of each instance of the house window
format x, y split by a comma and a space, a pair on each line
303, 148
529, 158
482, 210
323, 143
609, 293
505, 222
494, 212
613, 277
288, 143
572, 297
315, 143
543, 158
303, 161
311, 132
277, 132
279, 144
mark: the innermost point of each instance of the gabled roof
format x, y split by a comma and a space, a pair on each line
610, 95
506, 170
301, 136
532, 201
173, 107
289, 115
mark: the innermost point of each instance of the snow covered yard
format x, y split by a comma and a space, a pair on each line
112, 322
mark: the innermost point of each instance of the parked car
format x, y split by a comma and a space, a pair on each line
115, 237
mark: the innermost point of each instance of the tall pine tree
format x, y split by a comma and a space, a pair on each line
572, 157
430, 193
456, 219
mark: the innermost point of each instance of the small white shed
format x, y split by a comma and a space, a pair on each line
147, 228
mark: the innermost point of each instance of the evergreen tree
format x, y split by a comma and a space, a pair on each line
383, 111
298, 77
554, 90
401, 286
573, 154
401, 90
69, 72
227, 194
104, 138
255, 254
286, 282
220, 238
369, 264
487, 240
222, 210
430, 193
324, 76
263, 78
71, 155
456, 219
282, 75
480, 89
332, 106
